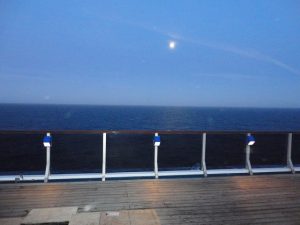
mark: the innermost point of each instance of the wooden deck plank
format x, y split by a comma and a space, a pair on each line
243, 200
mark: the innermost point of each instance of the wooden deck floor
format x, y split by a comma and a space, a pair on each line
264, 199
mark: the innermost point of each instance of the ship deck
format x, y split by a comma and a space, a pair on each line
261, 199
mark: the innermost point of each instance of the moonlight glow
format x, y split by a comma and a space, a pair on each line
172, 44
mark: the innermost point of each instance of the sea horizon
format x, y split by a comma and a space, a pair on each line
163, 106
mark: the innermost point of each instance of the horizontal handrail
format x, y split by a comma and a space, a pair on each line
142, 132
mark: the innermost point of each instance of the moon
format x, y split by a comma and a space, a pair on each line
172, 44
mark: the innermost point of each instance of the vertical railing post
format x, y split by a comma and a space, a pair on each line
47, 172
248, 163
47, 143
155, 159
289, 153
104, 157
203, 163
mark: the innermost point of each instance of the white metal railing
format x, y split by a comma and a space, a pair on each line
289, 153
156, 159
248, 162
203, 162
104, 157
156, 173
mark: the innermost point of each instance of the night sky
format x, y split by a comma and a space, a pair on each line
181, 53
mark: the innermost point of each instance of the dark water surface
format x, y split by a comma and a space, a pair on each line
72, 117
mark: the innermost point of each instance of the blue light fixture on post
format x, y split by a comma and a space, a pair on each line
250, 140
47, 140
156, 140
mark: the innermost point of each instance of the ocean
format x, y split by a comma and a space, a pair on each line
83, 117
78, 153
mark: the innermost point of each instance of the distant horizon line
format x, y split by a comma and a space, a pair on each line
124, 105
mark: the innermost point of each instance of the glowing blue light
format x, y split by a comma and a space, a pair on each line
250, 139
